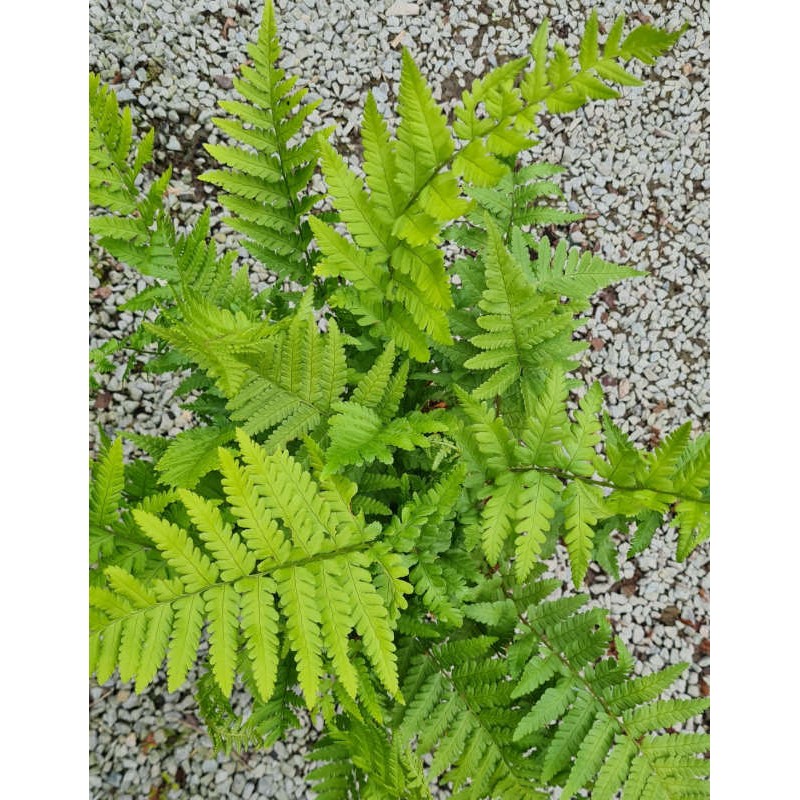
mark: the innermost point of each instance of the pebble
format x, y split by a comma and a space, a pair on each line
175, 67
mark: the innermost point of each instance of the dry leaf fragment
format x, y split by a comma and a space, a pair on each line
227, 25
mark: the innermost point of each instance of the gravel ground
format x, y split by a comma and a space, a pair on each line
639, 167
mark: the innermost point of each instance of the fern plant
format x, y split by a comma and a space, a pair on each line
383, 461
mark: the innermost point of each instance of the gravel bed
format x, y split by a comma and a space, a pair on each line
639, 167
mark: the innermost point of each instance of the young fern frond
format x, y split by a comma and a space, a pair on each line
291, 386
525, 333
516, 199
366, 427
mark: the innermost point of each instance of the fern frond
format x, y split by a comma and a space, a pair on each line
215, 338
424, 143
361, 267
583, 504
580, 439
354, 204
564, 87
567, 271
290, 386
192, 454
454, 692
547, 422
380, 162
527, 333
594, 714
363, 760
535, 510
514, 202
108, 482
266, 185
294, 539
112, 176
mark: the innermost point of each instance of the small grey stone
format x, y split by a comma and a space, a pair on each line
266, 785
174, 144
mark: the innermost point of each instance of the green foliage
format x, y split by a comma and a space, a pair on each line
290, 538
382, 463
266, 183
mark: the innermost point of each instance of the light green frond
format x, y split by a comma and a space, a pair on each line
336, 622
362, 268
565, 87
490, 432
289, 387
354, 204
380, 162
371, 388
108, 481
195, 569
580, 439
582, 509
260, 530
188, 624
266, 183
547, 422
231, 555
215, 339
297, 589
192, 454
222, 610
499, 514
424, 143
577, 275
535, 510
663, 461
